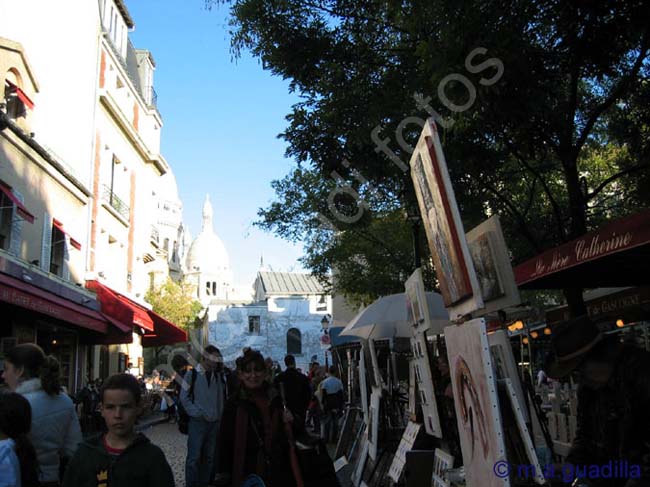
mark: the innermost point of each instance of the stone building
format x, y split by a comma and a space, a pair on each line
286, 316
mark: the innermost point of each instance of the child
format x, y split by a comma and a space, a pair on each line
17, 455
121, 457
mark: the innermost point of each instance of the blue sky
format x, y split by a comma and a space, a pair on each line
221, 118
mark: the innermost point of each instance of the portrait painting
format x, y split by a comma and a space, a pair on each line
443, 226
475, 395
491, 261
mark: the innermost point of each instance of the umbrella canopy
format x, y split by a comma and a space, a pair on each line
387, 317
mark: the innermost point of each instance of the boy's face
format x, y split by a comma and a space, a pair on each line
120, 411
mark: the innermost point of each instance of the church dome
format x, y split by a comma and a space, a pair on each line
207, 253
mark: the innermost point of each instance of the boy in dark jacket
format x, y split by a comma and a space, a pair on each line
121, 457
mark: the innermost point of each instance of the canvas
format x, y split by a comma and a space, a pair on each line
418, 311
425, 385
406, 443
493, 267
524, 433
505, 366
373, 425
376, 371
363, 385
443, 226
475, 397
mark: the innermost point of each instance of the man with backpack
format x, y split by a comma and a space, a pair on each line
333, 402
202, 397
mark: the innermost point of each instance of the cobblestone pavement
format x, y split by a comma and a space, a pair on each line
173, 444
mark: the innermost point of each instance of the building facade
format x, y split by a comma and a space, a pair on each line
286, 317
80, 167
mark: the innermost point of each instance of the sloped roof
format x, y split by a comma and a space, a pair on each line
125, 13
292, 283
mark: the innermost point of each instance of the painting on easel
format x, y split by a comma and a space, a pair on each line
475, 394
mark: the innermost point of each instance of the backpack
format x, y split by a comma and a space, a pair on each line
183, 417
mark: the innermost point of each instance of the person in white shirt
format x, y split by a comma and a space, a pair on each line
332, 401
203, 396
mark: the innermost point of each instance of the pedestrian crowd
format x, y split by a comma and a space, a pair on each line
253, 426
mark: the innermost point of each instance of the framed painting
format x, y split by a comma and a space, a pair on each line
476, 403
443, 226
424, 380
492, 265
416, 301
505, 365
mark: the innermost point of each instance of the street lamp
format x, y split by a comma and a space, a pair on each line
325, 339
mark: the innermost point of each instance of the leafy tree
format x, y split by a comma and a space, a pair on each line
542, 107
174, 302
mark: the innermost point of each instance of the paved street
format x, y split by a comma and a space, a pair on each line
173, 444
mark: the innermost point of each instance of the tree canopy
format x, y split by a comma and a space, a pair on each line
175, 303
542, 107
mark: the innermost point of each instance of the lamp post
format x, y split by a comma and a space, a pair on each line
325, 339
413, 217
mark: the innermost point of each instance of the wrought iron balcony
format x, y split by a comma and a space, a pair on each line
116, 203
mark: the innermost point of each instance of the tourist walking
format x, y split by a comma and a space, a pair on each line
55, 430
253, 437
203, 397
332, 399
297, 391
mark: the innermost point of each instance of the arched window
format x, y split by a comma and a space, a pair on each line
294, 341
14, 96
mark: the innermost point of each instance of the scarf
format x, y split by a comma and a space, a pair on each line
243, 423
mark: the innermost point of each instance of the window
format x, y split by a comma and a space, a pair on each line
208, 288
254, 325
12, 215
6, 215
16, 100
322, 303
294, 341
58, 251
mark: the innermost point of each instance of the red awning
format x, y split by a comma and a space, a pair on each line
21, 95
165, 333
615, 255
20, 208
25, 295
120, 308
59, 225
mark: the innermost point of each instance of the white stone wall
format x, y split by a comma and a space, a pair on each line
228, 330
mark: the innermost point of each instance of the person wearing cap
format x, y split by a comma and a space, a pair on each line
613, 422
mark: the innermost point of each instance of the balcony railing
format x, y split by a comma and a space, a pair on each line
116, 203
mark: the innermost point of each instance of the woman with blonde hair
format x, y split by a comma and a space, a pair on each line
55, 430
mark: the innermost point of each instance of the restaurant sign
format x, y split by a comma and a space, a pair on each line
620, 235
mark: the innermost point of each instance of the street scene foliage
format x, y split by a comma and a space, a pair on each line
542, 107
175, 302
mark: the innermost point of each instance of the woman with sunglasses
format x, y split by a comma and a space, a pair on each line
253, 439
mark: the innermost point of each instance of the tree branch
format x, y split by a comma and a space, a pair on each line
521, 221
355, 16
557, 212
616, 92
613, 178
